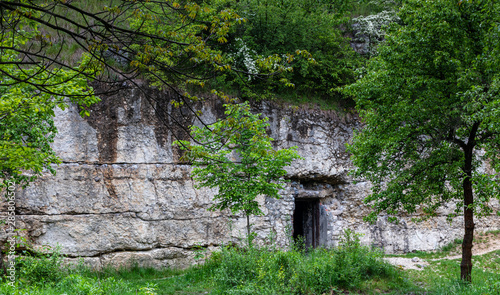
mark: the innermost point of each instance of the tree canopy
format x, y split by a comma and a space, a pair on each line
52, 50
430, 102
285, 27
235, 156
28, 97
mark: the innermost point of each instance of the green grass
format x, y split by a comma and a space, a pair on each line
446, 250
290, 98
442, 276
452, 248
341, 105
145, 281
232, 277
249, 270
347, 269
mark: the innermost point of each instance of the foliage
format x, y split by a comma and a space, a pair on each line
182, 40
270, 270
430, 103
28, 97
420, 100
370, 29
174, 44
286, 27
235, 155
40, 266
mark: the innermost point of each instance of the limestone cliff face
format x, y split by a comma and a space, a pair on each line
121, 195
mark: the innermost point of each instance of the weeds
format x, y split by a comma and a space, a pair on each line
270, 271
40, 266
349, 268
441, 277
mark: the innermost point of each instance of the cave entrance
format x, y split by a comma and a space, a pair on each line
306, 222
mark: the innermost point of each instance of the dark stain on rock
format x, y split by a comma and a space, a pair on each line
144, 105
160, 118
219, 110
155, 110
108, 175
299, 125
179, 121
104, 118
171, 122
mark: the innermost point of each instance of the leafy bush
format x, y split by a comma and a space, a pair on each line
40, 266
276, 28
271, 271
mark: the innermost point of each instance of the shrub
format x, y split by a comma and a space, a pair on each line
40, 266
277, 28
267, 270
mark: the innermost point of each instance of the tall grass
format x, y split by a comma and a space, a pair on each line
349, 268
442, 276
232, 270
273, 271
40, 272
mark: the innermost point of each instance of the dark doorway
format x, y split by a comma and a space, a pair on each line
306, 225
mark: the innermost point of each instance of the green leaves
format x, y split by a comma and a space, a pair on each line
173, 42
235, 155
430, 102
297, 44
27, 110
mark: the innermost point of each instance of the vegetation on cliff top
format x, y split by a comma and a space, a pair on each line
53, 49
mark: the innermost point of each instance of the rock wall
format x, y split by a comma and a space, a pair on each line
122, 196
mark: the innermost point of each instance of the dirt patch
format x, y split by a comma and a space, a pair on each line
407, 263
483, 243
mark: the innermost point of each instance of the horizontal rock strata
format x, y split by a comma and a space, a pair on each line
122, 196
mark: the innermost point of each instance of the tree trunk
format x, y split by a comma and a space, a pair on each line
248, 230
466, 265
